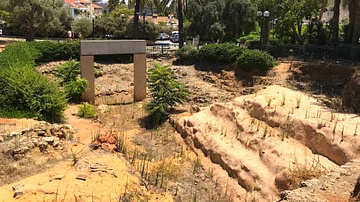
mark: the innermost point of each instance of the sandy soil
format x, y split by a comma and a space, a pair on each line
245, 138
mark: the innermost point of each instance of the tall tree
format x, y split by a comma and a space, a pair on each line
136, 20
335, 23
349, 29
290, 15
238, 18
161, 5
356, 32
206, 18
181, 23
29, 16
112, 4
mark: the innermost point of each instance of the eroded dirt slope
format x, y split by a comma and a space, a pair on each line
260, 138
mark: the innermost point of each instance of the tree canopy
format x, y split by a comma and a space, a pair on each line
29, 17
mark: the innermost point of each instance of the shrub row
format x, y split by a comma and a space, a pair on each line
242, 58
55, 51
38, 52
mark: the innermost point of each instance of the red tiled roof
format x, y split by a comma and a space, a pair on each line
161, 19
96, 6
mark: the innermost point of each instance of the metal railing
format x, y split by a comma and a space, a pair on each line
162, 49
343, 52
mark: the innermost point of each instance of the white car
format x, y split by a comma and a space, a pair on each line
174, 37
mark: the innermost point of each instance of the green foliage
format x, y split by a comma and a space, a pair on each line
32, 16
68, 71
56, 51
251, 36
205, 16
83, 25
38, 52
255, 60
165, 91
68, 74
86, 110
226, 52
4, 15
122, 9
152, 30
74, 89
291, 13
243, 11
187, 52
26, 93
18, 54
111, 26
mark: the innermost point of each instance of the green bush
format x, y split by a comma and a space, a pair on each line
255, 60
68, 74
165, 91
68, 71
187, 52
83, 25
38, 52
26, 93
18, 54
226, 53
74, 89
56, 51
86, 110
251, 36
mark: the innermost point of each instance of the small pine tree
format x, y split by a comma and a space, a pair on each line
165, 91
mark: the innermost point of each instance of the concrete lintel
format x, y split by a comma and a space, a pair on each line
107, 47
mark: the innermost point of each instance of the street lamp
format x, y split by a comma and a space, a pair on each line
122, 17
93, 26
144, 14
262, 16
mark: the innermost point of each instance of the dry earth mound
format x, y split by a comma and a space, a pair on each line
272, 140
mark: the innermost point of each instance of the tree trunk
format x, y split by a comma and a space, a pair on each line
356, 33
136, 20
335, 23
265, 32
181, 22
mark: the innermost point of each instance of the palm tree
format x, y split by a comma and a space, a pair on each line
161, 5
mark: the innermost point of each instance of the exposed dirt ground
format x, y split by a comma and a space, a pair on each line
240, 138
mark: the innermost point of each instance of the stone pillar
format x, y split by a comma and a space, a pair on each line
139, 76
87, 72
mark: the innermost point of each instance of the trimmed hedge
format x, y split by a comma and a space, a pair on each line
55, 51
226, 53
255, 60
38, 52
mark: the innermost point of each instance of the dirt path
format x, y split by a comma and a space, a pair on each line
64, 181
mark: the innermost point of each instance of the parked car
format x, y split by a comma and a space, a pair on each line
163, 36
174, 37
